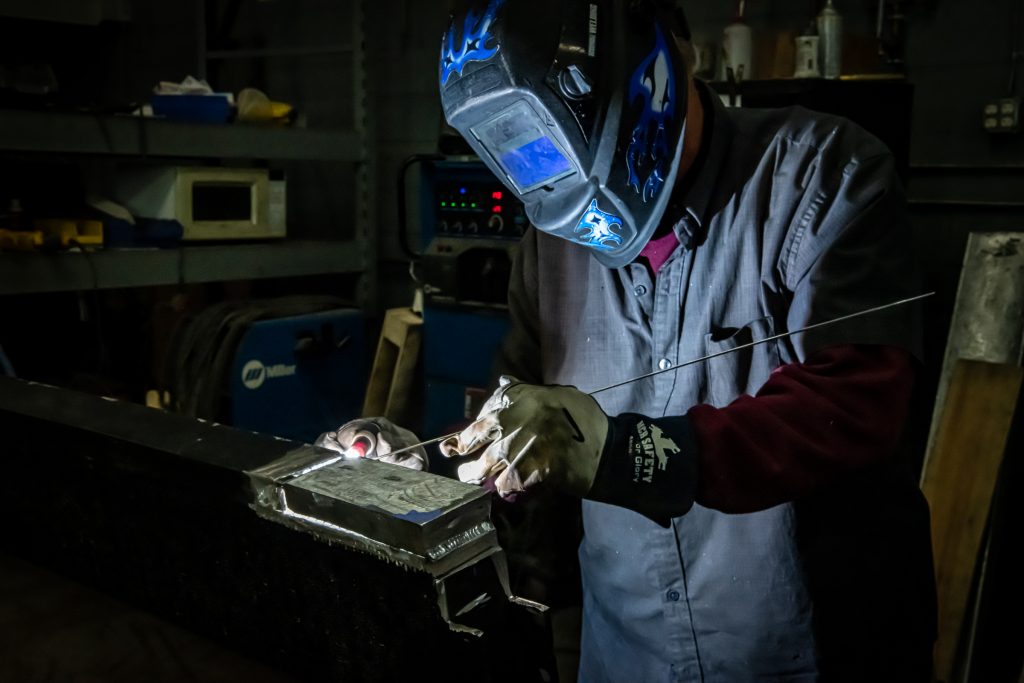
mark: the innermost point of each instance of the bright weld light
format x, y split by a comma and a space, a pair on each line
359, 448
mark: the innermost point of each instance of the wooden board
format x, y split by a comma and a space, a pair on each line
391, 380
959, 481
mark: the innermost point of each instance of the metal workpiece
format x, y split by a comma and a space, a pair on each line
414, 519
988, 316
351, 571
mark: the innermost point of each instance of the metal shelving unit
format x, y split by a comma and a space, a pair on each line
355, 146
69, 133
96, 135
36, 272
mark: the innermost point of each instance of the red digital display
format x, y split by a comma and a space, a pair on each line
496, 209
497, 195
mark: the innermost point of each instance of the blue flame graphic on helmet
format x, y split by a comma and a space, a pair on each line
595, 229
654, 85
476, 34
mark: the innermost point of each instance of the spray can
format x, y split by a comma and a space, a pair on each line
830, 34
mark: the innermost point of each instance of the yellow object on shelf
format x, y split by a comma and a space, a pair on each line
66, 232
255, 107
20, 240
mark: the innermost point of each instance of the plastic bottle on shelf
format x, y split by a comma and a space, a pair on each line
738, 47
807, 54
830, 35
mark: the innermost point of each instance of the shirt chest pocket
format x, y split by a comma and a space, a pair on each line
733, 374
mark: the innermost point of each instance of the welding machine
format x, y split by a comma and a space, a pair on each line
299, 376
470, 229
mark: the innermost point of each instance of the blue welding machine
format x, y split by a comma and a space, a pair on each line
300, 376
471, 227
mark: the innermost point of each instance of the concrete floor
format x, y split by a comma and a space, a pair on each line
53, 630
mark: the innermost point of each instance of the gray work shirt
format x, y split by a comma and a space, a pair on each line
794, 218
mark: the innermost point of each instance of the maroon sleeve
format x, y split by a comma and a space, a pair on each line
842, 409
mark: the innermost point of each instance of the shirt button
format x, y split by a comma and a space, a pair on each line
664, 364
640, 290
673, 595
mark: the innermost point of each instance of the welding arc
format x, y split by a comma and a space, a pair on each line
867, 311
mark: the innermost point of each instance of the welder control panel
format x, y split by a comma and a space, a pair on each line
471, 228
477, 209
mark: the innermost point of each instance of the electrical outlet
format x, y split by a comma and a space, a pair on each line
1002, 116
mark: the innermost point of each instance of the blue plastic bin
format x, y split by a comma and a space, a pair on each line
205, 108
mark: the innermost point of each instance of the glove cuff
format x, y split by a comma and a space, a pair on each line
648, 465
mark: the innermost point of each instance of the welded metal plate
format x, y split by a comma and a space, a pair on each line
416, 518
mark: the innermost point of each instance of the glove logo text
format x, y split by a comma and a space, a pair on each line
651, 450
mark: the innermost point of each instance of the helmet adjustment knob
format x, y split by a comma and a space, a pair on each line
573, 83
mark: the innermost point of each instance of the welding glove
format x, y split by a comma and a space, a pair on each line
532, 434
387, 437
558, 434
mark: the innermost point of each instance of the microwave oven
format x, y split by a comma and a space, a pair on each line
210, 203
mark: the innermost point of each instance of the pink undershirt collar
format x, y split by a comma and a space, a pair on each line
659, 249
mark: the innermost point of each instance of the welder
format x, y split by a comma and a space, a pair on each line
744, 518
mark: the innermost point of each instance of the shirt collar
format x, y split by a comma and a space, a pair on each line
692, 196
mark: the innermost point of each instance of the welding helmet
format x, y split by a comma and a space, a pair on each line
577, 106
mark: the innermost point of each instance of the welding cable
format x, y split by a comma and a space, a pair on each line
164, 377
171, 366
216, 370
403, 209
190, 344
214, 381
166, 380
188, 355
237, 326
199, 359
194, 358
